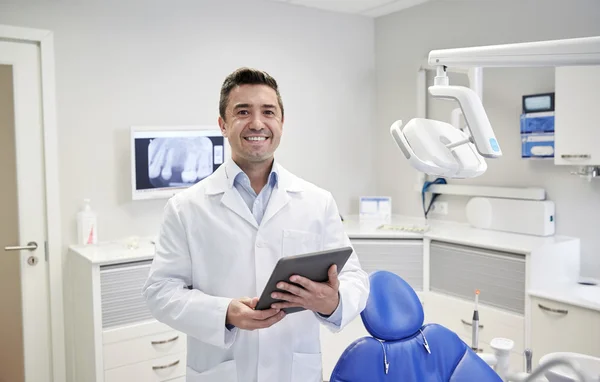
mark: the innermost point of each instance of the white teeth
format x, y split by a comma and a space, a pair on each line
256, 138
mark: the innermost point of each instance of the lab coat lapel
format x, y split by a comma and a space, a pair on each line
232, 200
280, 197
218, 184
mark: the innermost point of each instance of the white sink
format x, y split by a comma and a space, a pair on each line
589, 365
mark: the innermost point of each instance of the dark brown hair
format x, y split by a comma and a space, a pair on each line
246, 76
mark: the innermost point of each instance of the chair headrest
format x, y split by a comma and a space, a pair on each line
393, 309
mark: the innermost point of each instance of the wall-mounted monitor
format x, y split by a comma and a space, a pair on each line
169, 159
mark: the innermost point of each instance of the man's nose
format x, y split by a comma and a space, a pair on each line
257, 123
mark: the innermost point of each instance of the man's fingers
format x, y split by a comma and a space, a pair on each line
284, 305
252, 302
304, 282
292, 289
287, 297
333, 276
261, 315
271, 320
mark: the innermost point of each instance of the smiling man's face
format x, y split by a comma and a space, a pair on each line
253, 123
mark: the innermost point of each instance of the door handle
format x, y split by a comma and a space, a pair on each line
31, 246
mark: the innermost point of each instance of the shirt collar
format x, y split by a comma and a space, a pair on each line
235, 174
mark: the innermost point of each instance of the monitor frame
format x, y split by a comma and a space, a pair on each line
166, 193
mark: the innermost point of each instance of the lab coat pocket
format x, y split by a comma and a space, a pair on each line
223, 372
297, 242
307, 367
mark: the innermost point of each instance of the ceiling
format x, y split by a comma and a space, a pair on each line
372, 8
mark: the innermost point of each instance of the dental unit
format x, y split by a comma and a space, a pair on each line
443, 149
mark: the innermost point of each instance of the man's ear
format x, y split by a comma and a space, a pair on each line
222, 127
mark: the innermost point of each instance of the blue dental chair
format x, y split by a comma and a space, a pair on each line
402, 349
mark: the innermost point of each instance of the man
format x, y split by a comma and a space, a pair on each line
220, 240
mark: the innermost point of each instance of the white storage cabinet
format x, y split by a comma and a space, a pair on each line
113, 337
577, 130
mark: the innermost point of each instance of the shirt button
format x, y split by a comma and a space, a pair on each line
260, 244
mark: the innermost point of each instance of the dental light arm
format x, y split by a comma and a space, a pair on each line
438, 148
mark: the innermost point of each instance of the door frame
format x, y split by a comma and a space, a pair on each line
45, 40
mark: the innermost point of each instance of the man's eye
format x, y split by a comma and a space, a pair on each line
270, 112
243, 112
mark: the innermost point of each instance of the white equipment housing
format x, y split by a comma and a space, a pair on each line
438, 148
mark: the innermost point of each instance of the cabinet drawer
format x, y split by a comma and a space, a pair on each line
402, 257
132, 331
459, 270
156, 370
457, 314
145, 348
559, 327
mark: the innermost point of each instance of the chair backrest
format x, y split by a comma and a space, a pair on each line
401, 348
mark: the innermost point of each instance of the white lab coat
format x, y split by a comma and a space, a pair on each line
210, 241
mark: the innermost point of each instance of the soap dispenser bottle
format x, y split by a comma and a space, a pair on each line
87, 229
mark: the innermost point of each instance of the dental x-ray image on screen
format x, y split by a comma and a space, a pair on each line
172, 160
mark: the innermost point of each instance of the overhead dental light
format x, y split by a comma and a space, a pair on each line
439, 148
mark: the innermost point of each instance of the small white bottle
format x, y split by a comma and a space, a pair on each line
87, 229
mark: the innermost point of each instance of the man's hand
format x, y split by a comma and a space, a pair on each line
241, 314
322, 298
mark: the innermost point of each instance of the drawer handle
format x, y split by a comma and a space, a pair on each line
470, 324
165, 366
575, 156
561, 311
165, 341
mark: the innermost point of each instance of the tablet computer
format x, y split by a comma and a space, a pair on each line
314, 266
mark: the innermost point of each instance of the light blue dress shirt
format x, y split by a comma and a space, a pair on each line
257, 203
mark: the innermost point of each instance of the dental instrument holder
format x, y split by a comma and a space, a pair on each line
502, 348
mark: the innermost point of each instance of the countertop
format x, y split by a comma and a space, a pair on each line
127, 250
135, 248
449, 231
585, 296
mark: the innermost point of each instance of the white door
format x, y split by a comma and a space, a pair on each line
25, 349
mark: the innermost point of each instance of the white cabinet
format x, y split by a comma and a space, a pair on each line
560, 327
111, 334
577, 130
456, 314
455, 272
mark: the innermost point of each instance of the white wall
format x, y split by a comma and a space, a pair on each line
403, 41
156, 62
